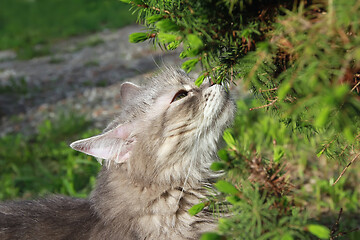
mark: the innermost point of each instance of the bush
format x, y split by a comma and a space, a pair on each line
290, 155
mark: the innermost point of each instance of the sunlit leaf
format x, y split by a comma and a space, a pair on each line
196, 208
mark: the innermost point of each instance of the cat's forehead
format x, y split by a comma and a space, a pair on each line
170, 78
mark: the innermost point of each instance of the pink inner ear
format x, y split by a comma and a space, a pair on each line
108, 154
115, 144
122, 132
98, 152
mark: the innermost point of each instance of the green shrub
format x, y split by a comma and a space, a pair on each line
298, 128
33, 166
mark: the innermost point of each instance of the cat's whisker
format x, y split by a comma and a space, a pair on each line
186, 179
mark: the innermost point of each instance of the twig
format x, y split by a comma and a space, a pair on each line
347, 166
344, 233
267, 90
342, 152
264, 106
335, 227
327, 145
356, 85
154, 8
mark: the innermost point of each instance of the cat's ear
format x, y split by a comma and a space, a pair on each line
128, 91
114, 145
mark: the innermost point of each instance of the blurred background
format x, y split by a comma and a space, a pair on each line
61, 65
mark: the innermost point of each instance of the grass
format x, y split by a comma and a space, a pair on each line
35, 166
31, 26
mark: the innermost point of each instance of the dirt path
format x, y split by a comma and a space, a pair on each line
81, 75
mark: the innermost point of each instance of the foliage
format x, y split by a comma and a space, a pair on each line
297, 126
30, 26
42, 164
282, 183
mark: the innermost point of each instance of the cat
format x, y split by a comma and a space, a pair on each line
156, 156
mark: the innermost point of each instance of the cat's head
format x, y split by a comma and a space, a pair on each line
167, 131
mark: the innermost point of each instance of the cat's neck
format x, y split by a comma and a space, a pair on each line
154, 209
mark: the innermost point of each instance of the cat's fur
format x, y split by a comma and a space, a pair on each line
157, 156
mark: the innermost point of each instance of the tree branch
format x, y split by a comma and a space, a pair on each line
347, 166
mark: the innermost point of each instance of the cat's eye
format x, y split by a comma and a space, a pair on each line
179, 95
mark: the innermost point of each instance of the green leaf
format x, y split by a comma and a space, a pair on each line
194, 41
341, 91
173, 45
125, 1
154, 18
223, 155
283, 90
138, 37
320, 153
233, 199
319, 231
217, 166
210, 236
196, 209
323, 117
189, 52
167, 37
229, 139
349, 134
69, 186
189, 64
287, 236
192, 46
278, 153
183, 54
226, 187
200, 80
167, 25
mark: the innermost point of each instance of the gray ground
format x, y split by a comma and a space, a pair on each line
81, 75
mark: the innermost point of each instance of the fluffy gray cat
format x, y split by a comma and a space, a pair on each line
156, 155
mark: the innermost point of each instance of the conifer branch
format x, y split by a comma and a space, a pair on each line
268, 90
153, 8
335, 227
264, 106
347, 166
356, 85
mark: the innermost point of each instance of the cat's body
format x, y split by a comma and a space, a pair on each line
157, 156
53, 218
